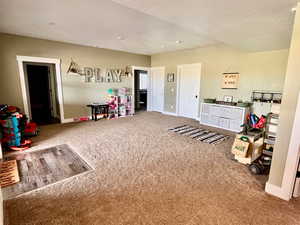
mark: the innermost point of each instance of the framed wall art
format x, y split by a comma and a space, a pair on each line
171, 77
230, 80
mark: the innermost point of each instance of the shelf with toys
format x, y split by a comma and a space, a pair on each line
119, 103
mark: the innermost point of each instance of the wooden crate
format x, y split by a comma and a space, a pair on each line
240, 147
254, 152
256, 143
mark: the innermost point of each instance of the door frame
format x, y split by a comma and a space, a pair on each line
151, 82
291, 165
148, 69
178, 88
26, 102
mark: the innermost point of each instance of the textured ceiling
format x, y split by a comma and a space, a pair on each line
153, 26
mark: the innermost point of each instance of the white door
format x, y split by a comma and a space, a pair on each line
188, 90
157, 92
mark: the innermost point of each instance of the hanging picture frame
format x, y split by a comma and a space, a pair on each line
230, 80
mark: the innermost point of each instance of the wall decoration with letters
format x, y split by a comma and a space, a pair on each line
230, 80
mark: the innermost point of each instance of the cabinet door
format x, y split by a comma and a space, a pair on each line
224, 123
205, 118
235, 125
236, 114
214, 120
205, 108
214, 110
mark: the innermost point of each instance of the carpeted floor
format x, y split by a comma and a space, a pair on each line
147, 175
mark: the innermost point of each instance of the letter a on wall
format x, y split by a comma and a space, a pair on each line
109, 76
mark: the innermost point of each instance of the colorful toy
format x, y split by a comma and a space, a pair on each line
31, 130
254, 122
120, 102
13, 128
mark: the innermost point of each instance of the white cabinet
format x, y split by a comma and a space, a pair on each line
223, 116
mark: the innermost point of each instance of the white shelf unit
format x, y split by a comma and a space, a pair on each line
223, 116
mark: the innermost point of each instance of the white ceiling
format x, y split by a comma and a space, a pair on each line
153, 26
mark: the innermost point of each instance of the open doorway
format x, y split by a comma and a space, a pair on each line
40, 79
140, 90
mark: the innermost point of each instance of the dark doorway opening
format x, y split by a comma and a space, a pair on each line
42, 91
140, 90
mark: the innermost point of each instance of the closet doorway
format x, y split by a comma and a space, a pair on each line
42, 92
140, 90
41, 85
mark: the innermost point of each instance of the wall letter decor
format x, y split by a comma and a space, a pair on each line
96, 75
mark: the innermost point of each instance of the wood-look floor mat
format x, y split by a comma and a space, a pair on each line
44, 167
200, 134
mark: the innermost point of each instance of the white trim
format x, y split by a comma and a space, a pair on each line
277, 191
148, 88
57, 62
291, 166
37, 59
292, 161
71, 120
169, 113
178, 87
68, 120
163, 94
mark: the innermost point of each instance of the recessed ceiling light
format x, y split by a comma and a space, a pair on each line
120, 38
178, 42
294, 9
51, 23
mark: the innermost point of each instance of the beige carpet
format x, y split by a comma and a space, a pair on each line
147, 175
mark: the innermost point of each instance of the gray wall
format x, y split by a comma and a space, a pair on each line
259, 71
76, 93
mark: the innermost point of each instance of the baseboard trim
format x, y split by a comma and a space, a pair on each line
169, 113
71, 120
276, 191
68, 120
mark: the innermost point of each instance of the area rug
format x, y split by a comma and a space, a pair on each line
45, 167
200, 134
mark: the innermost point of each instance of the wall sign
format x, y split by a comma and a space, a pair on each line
230, 80
98, 75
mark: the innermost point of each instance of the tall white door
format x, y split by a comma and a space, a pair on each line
157, 92
188, 89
